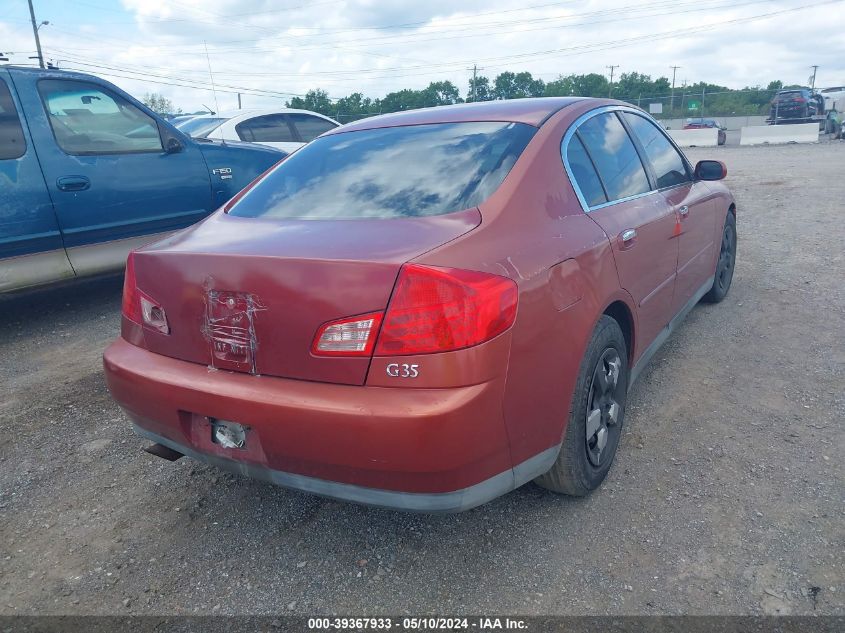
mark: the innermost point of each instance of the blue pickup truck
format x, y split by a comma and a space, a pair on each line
88, 173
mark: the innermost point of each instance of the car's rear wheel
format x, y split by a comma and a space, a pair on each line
596, 415
725, 264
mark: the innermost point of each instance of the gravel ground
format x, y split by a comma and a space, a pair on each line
726, 496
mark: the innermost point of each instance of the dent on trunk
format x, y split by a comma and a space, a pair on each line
229, 327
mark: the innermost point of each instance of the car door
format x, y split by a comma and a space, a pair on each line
617, 194
113, 185
31, 248
269, 129
692, 201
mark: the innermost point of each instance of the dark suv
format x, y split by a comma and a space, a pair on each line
800, 103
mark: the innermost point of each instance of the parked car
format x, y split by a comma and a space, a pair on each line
87, 173
180, 118
799, 104
701, 123
286, 129
427, 309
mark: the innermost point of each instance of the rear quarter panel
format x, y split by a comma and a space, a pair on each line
534, 232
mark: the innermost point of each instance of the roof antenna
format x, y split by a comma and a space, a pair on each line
213, 90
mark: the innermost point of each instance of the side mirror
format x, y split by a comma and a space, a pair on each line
173, 145
710, 170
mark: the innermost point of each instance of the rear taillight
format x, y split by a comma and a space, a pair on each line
445, 309
131, 300
352, 336
137, 306
431, 310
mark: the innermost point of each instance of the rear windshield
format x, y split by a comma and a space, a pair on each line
199, 128
411, 171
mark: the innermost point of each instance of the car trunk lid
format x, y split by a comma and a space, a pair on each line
249, 295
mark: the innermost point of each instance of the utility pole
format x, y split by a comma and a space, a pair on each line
813, 82
672, 98
610, 88
35, 33
474, 70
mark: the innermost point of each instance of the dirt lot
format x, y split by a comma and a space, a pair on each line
726, 496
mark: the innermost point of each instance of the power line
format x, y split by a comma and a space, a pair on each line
472, 30
403, 71
512, 59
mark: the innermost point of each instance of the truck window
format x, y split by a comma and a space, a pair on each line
12, 143
86, 119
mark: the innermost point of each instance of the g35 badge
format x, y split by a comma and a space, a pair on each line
403, 370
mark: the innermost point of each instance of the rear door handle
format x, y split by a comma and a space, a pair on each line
628, 237
73, 183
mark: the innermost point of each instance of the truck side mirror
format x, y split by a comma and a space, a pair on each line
173, 146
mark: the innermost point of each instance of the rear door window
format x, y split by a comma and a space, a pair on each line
668, 165
584, 173
410, 171
615, 157
308, 126
88, 119
12, 143
270, 128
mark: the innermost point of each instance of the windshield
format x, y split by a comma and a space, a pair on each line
410, 171
200, 127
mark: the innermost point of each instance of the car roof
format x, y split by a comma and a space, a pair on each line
251, 112
533, 111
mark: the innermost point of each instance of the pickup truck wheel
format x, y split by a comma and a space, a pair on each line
596, 415
725, 264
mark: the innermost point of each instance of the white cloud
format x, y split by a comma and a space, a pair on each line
375, 47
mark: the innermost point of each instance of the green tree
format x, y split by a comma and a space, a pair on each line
159, 104
508, 85
355, 106
441, 93
405, 99
483, 91
560, 87
316, 100
592, 85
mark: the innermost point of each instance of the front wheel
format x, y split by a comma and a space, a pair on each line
596, 415
725, 265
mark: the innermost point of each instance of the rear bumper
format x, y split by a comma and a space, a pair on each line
427, 450
454, 501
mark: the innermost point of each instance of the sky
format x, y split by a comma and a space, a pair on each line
270, 50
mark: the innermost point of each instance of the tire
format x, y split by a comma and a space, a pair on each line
725, 264
583, 462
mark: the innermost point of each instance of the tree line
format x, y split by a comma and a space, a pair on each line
691, 100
